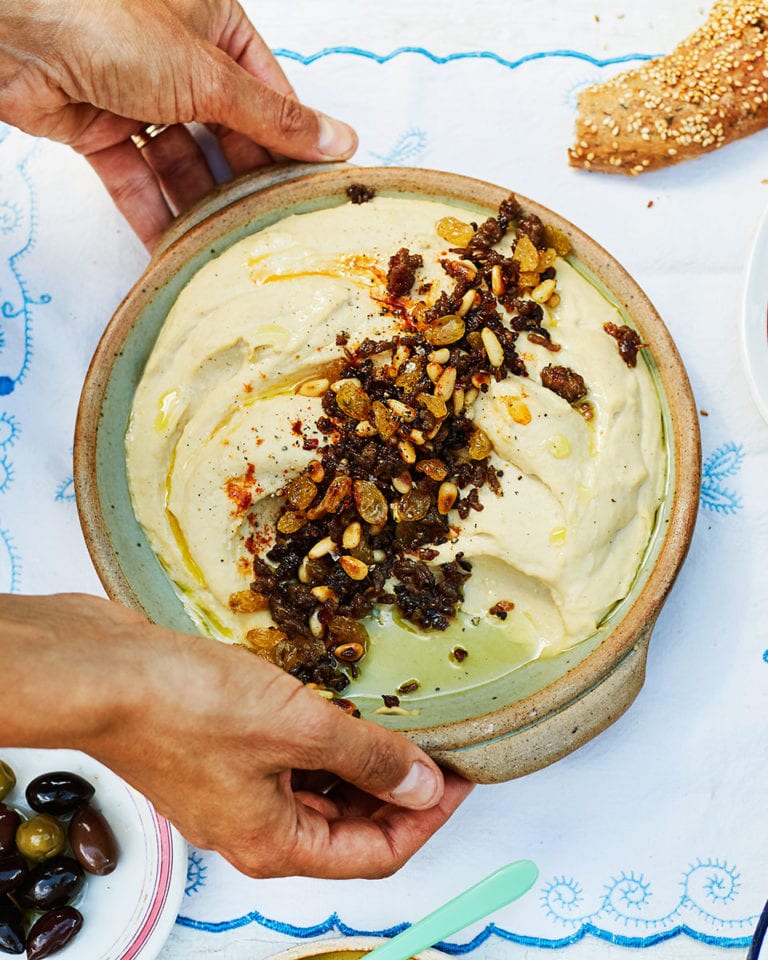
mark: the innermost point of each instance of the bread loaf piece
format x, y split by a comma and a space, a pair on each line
712, 89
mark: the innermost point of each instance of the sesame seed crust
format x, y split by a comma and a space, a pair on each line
712, 89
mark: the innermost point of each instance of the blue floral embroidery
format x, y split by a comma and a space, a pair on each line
307, 59
196, 873
6, 474
409, 148
66, 490
724, 462
707, 886
10, 564
9, 430
17, 234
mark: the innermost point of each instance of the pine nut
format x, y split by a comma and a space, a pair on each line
442, 356
316, 471
446, 497
365, 428
407, 451
498, 286
434, 370
316, 625
313, 388
467, 302
403, 482
352, 536
321, 549
355, 569
402, 410
324, 594
446, 383
338, 384
492, 347
349, 652
543, 291
468, 269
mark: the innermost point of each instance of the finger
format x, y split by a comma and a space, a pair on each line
373, 847
229, 95
180, 166
134, 188
249, 50
260, 62
240, 152
372, 758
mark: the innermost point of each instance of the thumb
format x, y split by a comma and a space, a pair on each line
231, 96
379, 761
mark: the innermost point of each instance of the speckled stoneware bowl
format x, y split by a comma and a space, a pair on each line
504, 729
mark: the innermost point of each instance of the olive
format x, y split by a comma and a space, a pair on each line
53, 931
9, 822
7, 779
52, 883
59, 792
11, 927
13, 870
40, 837
92, 841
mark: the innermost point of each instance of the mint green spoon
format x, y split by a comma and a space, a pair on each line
497, 890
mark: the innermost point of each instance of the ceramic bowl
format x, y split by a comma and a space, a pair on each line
517, 724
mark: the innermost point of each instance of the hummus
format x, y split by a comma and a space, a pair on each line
224, 417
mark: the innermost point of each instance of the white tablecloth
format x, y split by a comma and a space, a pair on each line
652, 837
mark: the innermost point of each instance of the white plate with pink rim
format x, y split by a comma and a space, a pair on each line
754, 320
129, 914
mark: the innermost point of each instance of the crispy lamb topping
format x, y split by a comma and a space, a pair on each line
360, 193
628, 340
360, 526
565, 382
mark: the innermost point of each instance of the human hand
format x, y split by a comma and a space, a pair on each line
91, 74
223, 743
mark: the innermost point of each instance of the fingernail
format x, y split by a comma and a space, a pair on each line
419, 787
335, 140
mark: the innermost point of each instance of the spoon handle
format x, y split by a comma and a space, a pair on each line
495, 891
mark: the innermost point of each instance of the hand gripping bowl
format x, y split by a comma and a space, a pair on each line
520, 722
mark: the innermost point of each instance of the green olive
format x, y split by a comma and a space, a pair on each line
40, 837
7, 779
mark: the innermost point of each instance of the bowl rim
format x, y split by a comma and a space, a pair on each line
211, 222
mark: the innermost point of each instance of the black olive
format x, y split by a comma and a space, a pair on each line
11, 927
50, 884
92, 841
9, 822
13, 871
58, 793
53, 931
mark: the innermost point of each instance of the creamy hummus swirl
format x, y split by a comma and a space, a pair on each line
218, 427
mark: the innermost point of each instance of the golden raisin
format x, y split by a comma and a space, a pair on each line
454, 231
370, 502
300, 492
247, 601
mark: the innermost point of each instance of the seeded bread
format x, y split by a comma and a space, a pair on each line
712, 89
